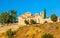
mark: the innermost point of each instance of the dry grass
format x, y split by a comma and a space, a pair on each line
36, 30
29, 32
3, 35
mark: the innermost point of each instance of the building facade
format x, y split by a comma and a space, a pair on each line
37, 18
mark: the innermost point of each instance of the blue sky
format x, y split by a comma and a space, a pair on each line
33, 6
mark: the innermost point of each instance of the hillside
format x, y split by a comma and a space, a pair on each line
36, 30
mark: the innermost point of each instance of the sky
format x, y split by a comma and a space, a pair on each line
33, 6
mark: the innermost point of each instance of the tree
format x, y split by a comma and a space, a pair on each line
53, 17
26, 22
32, 21
44, 12
3, 17
13, 15
10, 18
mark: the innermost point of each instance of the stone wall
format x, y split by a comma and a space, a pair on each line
38, 18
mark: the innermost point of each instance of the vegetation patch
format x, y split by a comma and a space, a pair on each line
47, 35
10, 33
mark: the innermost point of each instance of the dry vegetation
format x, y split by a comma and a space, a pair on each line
36, 30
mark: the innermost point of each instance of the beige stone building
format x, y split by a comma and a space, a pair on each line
38, 18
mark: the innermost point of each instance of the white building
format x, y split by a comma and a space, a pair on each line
38, 18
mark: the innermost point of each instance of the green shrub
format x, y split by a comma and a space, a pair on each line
32, 21
47, 36
9, 33
53, 17
26, 22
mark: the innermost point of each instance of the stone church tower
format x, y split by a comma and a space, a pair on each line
42, 14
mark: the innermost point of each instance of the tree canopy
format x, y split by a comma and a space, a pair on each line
54, 17
8, 17
44, 12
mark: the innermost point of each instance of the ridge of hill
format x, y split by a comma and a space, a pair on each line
36, 30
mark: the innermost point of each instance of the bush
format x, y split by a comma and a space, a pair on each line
26, 22
45, 22
53, 17
32, 21
9, 33
47, 36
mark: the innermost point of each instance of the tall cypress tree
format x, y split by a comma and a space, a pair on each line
44, 12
